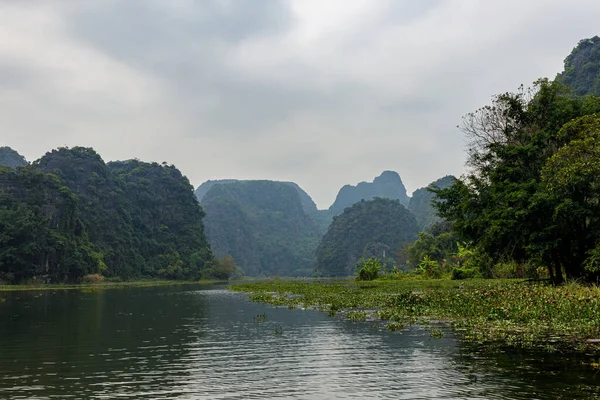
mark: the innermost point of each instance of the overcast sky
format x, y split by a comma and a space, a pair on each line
319, 92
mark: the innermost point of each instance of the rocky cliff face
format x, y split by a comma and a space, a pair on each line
10, 158
582, 68
420, 202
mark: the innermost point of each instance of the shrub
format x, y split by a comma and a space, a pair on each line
464, 273
508, 270
368, 270
430, 268
224, 269
92, 279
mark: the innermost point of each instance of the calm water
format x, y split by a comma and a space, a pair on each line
195, 342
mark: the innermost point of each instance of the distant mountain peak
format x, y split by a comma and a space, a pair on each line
582, 68
388, 176
11, 158
387, 185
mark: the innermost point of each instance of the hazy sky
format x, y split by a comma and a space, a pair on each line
319, 92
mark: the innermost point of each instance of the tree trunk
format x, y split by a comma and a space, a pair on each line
558, 276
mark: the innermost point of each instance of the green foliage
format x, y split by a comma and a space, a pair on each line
125, 220
387, 185
10, 158
421, 202
103, 206
41, 234
383, 222
582, 68
464, 273
439, 244
167, 220
263, 225
224, 269
526, 199
495, 312
368, 270
430, 268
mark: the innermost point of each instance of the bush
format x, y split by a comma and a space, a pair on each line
464, 273
368, 270
224, 269
430, 268
508, 270
92, 279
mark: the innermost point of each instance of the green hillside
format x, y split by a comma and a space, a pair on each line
263, 225
366, 229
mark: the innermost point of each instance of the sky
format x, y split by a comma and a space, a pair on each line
319, 92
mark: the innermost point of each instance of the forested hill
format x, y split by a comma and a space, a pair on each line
263, 225
42, 236
124, 220
307, 202
420, 202
366, 229
320, 217
10, 158
582, 68
387, 185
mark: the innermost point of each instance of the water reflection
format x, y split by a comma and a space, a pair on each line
196, 343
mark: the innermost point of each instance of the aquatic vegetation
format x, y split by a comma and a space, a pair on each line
260, 318
359, 315
394, 326
278, 331
492, 312
436, 333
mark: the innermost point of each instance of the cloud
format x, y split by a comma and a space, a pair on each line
320, 93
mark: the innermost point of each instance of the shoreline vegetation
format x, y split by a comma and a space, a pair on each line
495, 313
101, 285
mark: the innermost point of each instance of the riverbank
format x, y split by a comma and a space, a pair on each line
101, 285
488, 312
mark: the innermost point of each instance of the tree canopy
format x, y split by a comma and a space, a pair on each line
69, 214
526, 196
41, 233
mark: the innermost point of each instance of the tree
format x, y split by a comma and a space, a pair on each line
572, 176
503, 205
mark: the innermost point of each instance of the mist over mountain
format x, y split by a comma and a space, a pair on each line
263, 225
271, 227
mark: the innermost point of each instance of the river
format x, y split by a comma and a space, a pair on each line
204, 342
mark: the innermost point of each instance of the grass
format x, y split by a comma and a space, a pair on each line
489, 312
98, 286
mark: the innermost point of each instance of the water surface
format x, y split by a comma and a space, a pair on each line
194, 342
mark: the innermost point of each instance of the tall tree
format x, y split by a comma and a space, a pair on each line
503, 205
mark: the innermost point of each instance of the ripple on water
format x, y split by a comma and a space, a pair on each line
176, 343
